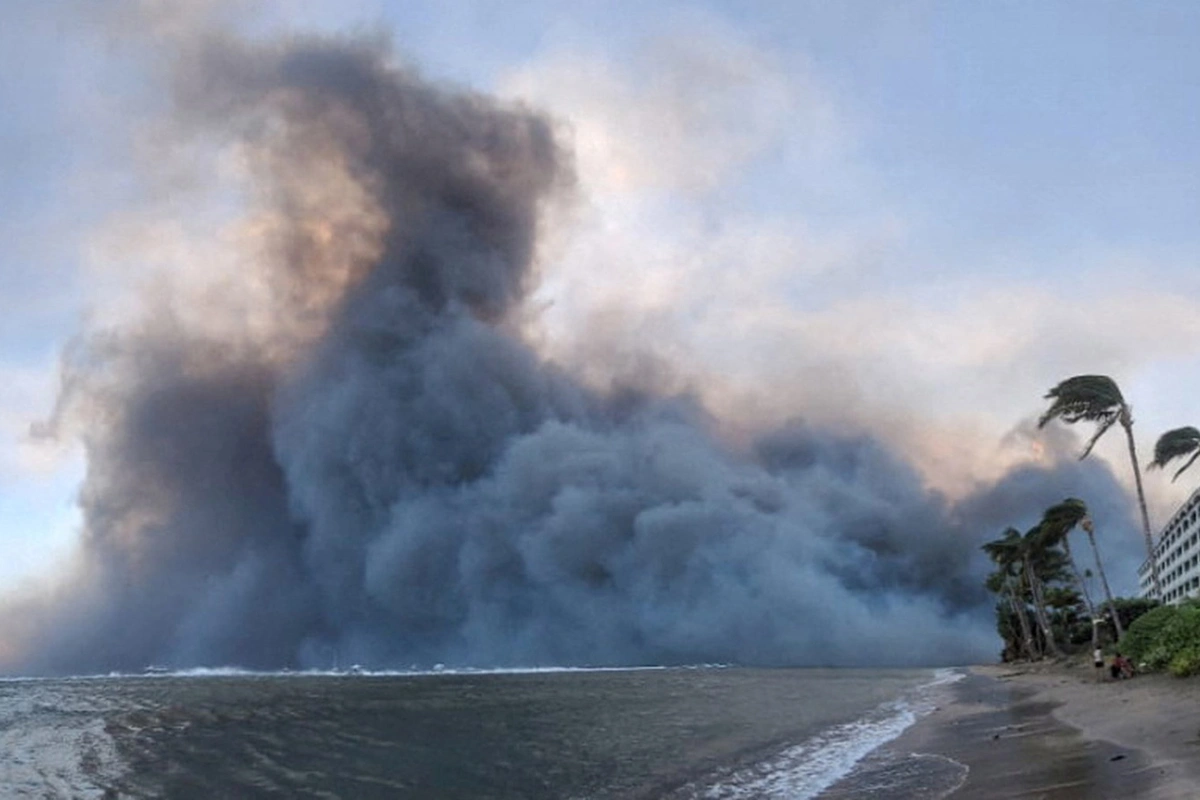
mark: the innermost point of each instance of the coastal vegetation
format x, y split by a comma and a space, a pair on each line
1098, 399
1045, 607
1166, 638
1057, 524
1175, 444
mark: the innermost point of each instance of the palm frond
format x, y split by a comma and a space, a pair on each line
1091, 398
1174, 444
1062, 597
997, 582
1180, 471
1050, 564
1059, 520
1086, 398
1032, 541
1006, 549
1101, 429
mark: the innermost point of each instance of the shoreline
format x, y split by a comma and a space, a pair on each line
1042, 731
1155, 714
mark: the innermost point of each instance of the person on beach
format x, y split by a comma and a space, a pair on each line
1098, 663
1121, 667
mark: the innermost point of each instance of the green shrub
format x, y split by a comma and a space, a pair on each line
1144, 634
1130, 608
1156, 658
1186, 662
1182, 630
1166, 638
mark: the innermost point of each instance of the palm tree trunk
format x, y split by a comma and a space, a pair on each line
1018, 640
1112, 608
1039, 610
1087, 598
1127, 424
1012, 638
1018, 601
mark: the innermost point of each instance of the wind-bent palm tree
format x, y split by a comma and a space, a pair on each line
1057, 523
1005, 552
1064, 602
1043, 565
1090, 529
1015, 641
1096, 398
1174, 444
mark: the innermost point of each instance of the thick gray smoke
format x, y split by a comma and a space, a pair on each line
384, 472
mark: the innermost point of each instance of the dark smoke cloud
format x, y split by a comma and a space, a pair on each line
387, 473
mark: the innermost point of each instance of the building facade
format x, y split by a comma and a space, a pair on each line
1177, 550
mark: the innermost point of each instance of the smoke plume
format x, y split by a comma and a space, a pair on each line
343, 448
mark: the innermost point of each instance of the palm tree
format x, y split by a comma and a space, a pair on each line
1058, 522
1096, 398
1174, 444
1090, 529
1005, 552
1037, 563
1064, 602
1042, 564
1014, 641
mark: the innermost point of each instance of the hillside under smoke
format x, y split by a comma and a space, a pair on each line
353, 454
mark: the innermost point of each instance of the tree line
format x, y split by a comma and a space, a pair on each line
1044, 598
1040, 586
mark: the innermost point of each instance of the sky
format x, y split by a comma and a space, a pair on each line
907, 220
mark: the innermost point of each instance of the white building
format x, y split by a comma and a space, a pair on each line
1177, 551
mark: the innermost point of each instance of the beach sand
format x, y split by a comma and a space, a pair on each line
1052, 732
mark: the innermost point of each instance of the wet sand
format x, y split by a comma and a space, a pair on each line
1054, 733
1155, 714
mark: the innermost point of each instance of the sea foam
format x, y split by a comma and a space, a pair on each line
806, 769
54, 745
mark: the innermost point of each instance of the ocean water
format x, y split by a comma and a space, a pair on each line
674, 733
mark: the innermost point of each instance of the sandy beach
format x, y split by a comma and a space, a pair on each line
1156, 714
1054, 732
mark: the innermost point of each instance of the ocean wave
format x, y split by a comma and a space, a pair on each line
356, 670
55, 745
805, 770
